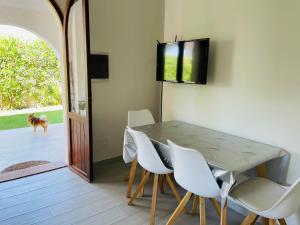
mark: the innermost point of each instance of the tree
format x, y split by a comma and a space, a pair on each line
29, 74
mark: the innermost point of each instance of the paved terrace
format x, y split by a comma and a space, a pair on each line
20, 145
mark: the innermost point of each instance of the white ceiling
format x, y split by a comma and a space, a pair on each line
39, 5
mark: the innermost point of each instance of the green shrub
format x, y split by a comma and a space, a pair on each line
29, 74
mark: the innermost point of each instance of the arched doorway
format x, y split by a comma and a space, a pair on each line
18, 14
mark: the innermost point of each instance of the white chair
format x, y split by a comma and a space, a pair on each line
267, 199
149, 159
137, 118
194, 175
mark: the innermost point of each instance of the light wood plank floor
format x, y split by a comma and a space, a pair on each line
62, 198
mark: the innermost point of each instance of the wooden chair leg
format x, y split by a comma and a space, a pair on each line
143, 188
250, 219
131, 177
161, 184
154, 198
179, 208
174, 190
254, 221
216, 205
195, 205
223, 219
265, 221
272, 222
282, 222
202, 211
143, 182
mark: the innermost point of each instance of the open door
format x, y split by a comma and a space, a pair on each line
76, 30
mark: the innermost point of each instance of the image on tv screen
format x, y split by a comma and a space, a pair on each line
190, 66
171, 62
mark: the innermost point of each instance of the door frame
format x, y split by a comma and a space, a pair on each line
57, 10
85, 12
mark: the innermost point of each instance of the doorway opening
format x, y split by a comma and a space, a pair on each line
32, 125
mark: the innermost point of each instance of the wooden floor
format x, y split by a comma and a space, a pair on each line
62, 198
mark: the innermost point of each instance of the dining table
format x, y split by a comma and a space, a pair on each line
230, 157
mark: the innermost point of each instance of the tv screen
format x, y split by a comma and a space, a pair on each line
183, 61
167, 62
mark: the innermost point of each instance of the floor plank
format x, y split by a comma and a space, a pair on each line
61, 197
40, 194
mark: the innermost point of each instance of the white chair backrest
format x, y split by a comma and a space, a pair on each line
140, 118
287, 205
192, 172
147, 155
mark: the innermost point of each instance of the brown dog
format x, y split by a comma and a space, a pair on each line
36, 121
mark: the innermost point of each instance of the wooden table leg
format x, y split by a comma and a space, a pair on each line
272, 222
131, 177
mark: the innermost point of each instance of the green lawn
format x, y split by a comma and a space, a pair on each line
19, 121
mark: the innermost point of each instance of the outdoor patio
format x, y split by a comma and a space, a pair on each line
21, 145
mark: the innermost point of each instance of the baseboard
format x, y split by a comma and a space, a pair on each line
108, 161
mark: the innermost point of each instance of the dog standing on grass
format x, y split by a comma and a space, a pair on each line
38, 121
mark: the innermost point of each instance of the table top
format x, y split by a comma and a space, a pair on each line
221, 150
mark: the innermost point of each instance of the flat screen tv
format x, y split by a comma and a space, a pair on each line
183, 61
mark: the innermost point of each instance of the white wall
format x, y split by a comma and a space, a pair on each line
127, 31
253, 86
61, 4
40, 22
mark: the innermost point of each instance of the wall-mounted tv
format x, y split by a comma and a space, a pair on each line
183, 61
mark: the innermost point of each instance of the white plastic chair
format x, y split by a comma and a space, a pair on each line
267, 199
149, 159
193, 174
137, 118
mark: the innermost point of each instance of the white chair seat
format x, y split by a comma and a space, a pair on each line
258, 194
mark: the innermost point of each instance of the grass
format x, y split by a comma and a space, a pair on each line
20, 121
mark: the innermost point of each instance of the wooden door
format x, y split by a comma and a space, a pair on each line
79, 114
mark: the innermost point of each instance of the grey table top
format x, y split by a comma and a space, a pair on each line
221, 150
